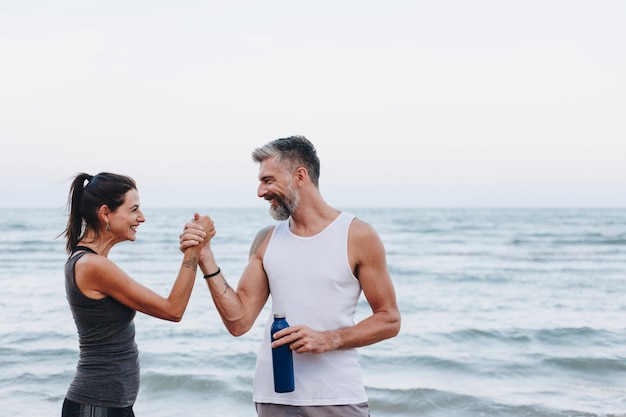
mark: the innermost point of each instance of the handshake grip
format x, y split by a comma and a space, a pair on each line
207, 226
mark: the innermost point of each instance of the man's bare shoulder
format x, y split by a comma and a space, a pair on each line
361, 229
260, 239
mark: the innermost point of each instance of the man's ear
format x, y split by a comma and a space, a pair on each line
301, 174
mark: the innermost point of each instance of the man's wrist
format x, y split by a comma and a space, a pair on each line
213, 274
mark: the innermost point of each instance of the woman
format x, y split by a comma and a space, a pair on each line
103, 211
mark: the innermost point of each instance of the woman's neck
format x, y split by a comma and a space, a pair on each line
98, 245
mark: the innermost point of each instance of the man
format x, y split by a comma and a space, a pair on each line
314, 262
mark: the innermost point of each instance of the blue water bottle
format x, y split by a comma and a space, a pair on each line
282, 359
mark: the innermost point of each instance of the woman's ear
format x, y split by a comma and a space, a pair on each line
103, 214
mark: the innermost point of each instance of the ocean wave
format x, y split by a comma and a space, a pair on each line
199, 360
577, 336
510, 336
560, 336
590, 239
437, 403
588, 366
207, 383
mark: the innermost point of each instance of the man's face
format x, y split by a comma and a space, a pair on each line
276, 186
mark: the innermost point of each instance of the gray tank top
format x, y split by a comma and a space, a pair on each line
107, 374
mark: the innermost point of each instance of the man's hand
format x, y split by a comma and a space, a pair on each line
303, 339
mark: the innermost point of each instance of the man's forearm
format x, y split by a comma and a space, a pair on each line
226, 300
375, 328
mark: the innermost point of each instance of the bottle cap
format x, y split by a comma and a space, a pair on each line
279, 315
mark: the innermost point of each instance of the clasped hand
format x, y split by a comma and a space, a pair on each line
197, 231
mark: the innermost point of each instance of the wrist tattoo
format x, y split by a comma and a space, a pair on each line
191, 263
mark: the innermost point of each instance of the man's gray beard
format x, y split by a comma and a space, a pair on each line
285, 206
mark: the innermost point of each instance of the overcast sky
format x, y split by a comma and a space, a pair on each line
409, 103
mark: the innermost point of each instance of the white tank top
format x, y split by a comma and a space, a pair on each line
311, 281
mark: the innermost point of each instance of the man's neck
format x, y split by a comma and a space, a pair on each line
310, 220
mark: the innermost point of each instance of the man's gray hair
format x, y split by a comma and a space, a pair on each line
292, 152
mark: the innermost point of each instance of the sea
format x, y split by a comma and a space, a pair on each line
505, 312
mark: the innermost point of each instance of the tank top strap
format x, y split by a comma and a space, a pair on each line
82, 248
